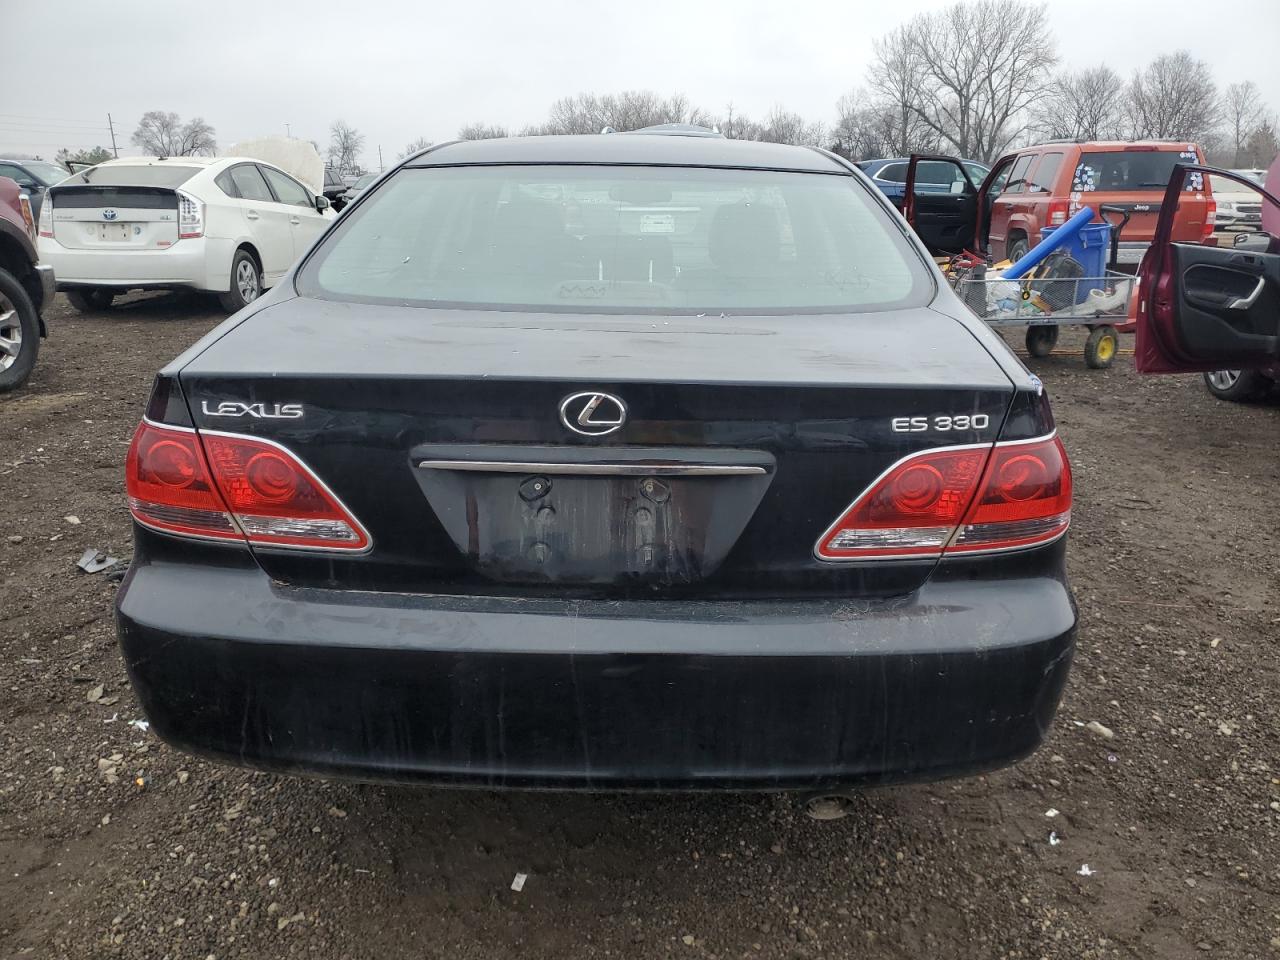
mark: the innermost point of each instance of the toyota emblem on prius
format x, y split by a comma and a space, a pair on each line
593, 414
109, 214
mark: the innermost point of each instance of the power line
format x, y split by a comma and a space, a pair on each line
27, 116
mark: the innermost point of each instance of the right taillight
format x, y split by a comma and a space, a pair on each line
1024, 499
232, 487
958, 500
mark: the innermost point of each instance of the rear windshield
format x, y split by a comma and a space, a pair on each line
623, 239
134, 175
1137, 171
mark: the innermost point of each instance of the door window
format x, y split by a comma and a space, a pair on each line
287, 189
1041, 181
248, 181
1017, 176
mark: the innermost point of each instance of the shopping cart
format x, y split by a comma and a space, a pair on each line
1055, 294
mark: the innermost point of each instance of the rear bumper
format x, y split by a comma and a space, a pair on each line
202, 263
666, 695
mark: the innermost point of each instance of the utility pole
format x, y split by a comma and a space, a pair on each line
112, 127
287, 132
380, 167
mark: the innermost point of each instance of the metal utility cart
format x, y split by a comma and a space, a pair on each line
1054, 295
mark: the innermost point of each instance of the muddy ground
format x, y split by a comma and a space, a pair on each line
113, 845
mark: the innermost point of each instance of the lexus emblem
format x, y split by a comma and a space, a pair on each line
109, 214
593, 414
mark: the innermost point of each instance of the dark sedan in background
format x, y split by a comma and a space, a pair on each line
890, 175
33, 177
647, 462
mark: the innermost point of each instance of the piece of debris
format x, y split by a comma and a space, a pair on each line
687, 939
1106, 733
285, 921
518, 883
183, 776
1051, 812
1086, 870
94, 694
1226, 729
337, 812
1214, 642
15, 538
72, 519
1054, 839
142, 725
95, 561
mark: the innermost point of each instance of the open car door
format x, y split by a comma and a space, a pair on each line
1202, 307
941, 204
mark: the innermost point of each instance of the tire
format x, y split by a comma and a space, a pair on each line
246, 283
90, 299
19, 333
1101, 348
1237, 386
1041, 339
1017, 249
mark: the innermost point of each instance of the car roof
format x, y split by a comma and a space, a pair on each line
152, 161
1107, 146
639, 149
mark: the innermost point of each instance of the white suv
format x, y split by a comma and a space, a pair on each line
230, 225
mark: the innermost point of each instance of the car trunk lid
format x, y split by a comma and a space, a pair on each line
102, 217
458, 438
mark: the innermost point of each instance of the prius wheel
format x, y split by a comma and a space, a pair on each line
1041, 339
1238, 386
90, 299
246, 283
19, 333
1101, 348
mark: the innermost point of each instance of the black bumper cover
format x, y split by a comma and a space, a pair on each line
665, 695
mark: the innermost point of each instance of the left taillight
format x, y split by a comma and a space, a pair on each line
232, 487
1210, 219
46, 215
1058, 211
972, 499
190, 216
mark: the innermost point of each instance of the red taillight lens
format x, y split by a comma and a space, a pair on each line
1025, 499
911, 511
959, 500
28, 221
1057, 212
276, 499
1210, 218
232, 487
169, 485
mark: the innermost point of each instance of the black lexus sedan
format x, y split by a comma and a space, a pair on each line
606, 462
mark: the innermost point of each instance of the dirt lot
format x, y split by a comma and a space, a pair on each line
112, 845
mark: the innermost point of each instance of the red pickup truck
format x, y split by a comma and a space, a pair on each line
25, 287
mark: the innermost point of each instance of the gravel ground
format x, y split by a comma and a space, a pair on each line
113, 845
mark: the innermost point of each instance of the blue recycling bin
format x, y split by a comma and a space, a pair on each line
1090, 248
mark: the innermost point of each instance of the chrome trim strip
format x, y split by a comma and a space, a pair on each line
596, 469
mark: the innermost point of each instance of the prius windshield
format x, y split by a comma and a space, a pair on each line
619, 239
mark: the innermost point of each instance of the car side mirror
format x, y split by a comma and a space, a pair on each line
322, 203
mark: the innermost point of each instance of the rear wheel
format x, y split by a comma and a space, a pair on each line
246, 283
1101, 347
90, 299
1017, 248
1238, 386
1041, 339
19, 333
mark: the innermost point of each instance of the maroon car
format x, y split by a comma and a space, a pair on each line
1214, 309
25, 287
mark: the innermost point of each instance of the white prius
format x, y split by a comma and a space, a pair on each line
232, 226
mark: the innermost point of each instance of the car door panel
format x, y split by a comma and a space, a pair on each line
266, 221
946, 222
305, 221
1204, 307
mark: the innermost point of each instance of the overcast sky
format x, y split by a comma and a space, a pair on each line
398, 70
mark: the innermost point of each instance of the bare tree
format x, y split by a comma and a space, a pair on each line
415, 146
628, 110
1262, 147
969, 73
1083, 105
165, 135
870, 125
1245, 112
482, 131
1174, 98
345, 144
